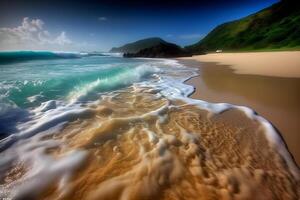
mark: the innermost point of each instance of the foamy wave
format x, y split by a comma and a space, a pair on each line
176, 89
66, 54
10, 115
112, 54
44, 169
155, 155
124, 78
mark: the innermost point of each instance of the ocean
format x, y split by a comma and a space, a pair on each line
30, 80
100, 126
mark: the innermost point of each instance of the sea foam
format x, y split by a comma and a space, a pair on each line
123, 78
154, 168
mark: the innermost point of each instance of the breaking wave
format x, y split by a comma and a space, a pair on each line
19, 56
145, 139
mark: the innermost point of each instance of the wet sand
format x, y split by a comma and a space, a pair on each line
138, 146
275, 98
149, 141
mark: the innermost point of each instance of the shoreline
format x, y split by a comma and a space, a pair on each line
150, 135
274, 98
283, 64
274, 127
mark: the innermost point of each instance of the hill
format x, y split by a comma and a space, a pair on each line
161, 50
135, 47
275, 27
151, 48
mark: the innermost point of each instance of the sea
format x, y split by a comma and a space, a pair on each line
100, 126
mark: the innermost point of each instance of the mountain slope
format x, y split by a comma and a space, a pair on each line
162, 50
277, 26
135, 47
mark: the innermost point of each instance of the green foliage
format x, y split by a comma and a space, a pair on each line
276, 27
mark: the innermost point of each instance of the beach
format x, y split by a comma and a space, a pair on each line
268, 82
274, 64
107, 127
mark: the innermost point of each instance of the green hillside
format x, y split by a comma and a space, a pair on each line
276, 27
135, 47
162, 50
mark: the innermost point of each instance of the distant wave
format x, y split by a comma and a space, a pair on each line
19, 56
112, 54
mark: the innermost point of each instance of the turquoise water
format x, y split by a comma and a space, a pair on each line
17, 56
56, 114
26, 83
32, 82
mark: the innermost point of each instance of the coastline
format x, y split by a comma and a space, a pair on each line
275, 98
274, 64
148, 134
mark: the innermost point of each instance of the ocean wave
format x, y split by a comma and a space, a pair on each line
19, 114
10, 115
19, 56
123, 77
152, 131
112, 54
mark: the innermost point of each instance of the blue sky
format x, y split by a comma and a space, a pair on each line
100, 25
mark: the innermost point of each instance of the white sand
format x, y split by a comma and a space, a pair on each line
280, 64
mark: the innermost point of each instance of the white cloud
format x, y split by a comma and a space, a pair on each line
62, 39
191, 36
31, 34
102, 18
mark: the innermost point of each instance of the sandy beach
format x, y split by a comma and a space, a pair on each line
151, 150
267, 82
149, 140
278, 64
